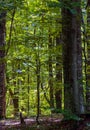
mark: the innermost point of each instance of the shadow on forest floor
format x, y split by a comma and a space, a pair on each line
46, 123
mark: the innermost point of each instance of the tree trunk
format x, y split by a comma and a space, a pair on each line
15, 94
2, 64
50, 75
58, 87
79, 63
67, 59
28, 90
72, 59
88, 62
38, 86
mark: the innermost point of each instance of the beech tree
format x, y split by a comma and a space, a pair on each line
72, 57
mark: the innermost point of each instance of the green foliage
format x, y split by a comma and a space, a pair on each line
34, 22
55, 4
8, 5
68, 115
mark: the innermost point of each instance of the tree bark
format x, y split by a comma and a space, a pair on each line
38, 85
79, 62
50, 83
67, 59
72, 59
15, 94
58, 87
88, 63
2, 64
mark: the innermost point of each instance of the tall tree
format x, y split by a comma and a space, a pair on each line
50, 83
79, 59
58, 89
72, 57
88, 61
2, 63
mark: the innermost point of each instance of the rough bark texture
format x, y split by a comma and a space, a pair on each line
2, 64
72, 59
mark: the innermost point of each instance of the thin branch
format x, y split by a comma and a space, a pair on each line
45, 94
10, 32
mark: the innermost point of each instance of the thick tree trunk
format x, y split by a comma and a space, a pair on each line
67, 59
2, 64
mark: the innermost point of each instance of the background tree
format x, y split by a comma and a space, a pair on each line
2, 63
88, 61
58, 83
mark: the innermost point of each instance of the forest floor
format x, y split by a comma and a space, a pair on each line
45, 123
6, 124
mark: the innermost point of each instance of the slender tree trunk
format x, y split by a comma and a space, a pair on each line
58, 90
2, 64
28, 81
15, 94
50, 75
38, 88
79, 62
88, 62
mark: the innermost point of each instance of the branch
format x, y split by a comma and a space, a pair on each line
10, 32
45, 94
11, 93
